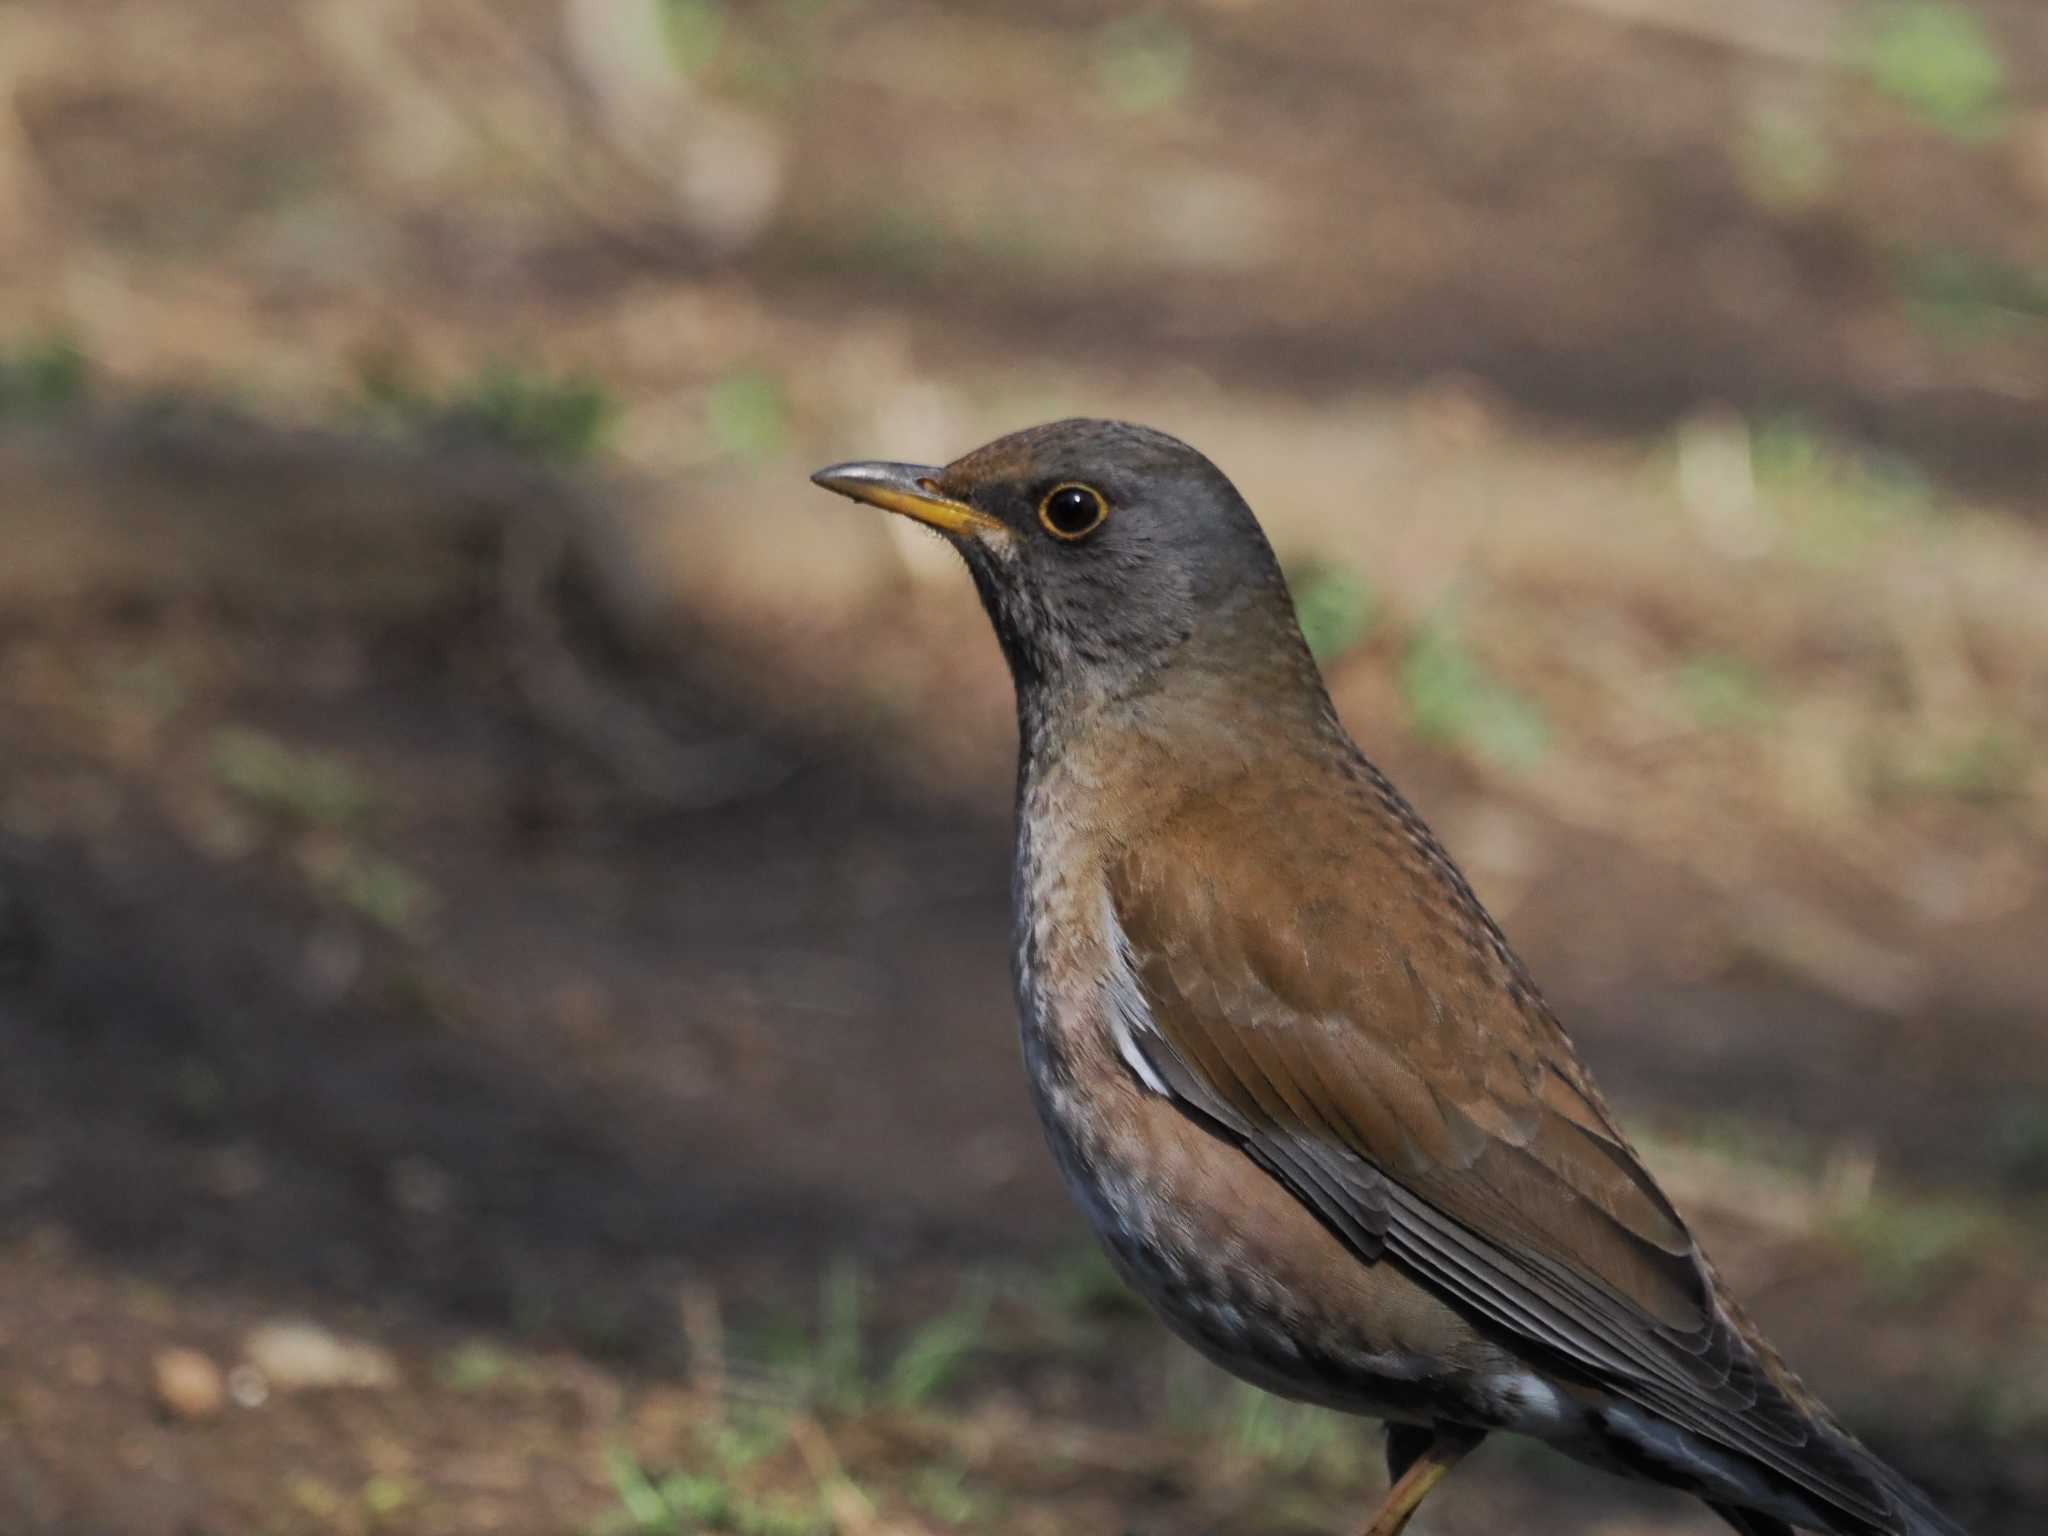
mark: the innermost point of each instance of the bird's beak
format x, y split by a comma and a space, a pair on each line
912, 490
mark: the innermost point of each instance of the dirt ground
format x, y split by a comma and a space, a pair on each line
503, 997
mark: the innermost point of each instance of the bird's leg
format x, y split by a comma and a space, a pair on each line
1405, 1442
1417, 1459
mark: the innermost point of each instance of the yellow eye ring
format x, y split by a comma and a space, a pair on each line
1071, 511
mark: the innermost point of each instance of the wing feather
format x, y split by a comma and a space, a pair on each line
1392, 1067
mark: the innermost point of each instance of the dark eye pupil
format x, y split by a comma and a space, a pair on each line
1072, 510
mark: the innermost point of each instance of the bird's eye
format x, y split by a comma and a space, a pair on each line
1072, 511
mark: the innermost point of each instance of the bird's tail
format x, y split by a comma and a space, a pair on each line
1906, 1509
1914, 1513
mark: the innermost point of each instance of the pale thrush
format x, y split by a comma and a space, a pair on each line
1305, 1092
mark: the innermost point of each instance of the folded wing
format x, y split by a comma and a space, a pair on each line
1394, 1068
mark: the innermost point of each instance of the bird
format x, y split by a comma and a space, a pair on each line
1310, 1100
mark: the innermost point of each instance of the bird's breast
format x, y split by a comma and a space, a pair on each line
1231, 1262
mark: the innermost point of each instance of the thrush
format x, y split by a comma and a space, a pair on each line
1305, 1092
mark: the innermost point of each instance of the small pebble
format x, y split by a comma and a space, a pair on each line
188, 1385
302, 1356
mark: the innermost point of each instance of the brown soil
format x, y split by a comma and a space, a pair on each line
362, 962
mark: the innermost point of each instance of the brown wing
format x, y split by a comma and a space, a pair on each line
1378, 1048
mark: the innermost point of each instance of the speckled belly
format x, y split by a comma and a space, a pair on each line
1238, 1268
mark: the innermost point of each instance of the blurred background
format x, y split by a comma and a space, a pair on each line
504, 1019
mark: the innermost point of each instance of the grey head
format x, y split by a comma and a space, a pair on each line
1109, 557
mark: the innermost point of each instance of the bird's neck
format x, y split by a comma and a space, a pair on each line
1183, 730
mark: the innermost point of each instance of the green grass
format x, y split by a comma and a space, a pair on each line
837, 1368
384, 891
313, 790
945, 1492
1083, 1283
693, 31
758, 53
748, 1435
43, 378
1832, 497
560, 419
1143, 63
306, 786
933, 1356
1909, 1248
1287, 1436
1936, 58
1453, 701
892, 240
473, 1367
1723, 692
1970, 297
1989, 766
841, 1357
748, 415
1783, 158
1335, 607
680, 1502
385, 1496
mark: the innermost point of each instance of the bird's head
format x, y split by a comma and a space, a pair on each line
1108, 556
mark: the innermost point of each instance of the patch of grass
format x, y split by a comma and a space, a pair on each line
1334, 605
563, 420
834, 1369
1285, 1436
43, 378
840, 1365
1085, 1283
935, 1353
1452, 700
601, 1324
765, 74
944, 1492
385, 892
1832, 497
1969, 296
693, 30
681, 1502
748, 1433
307, 786
385, 1496
317, 1497
902, 242
1783, 159
1766, 1145
1990, 766
1909, 1247
1723, 692
1143, 63
1938, 59
781, 1345
473, 1367
1190, 1390
373, 886
748, 416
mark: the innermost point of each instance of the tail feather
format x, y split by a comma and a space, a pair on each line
1911, 1512
1749, 1522
1916, 1511
1760, 1498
